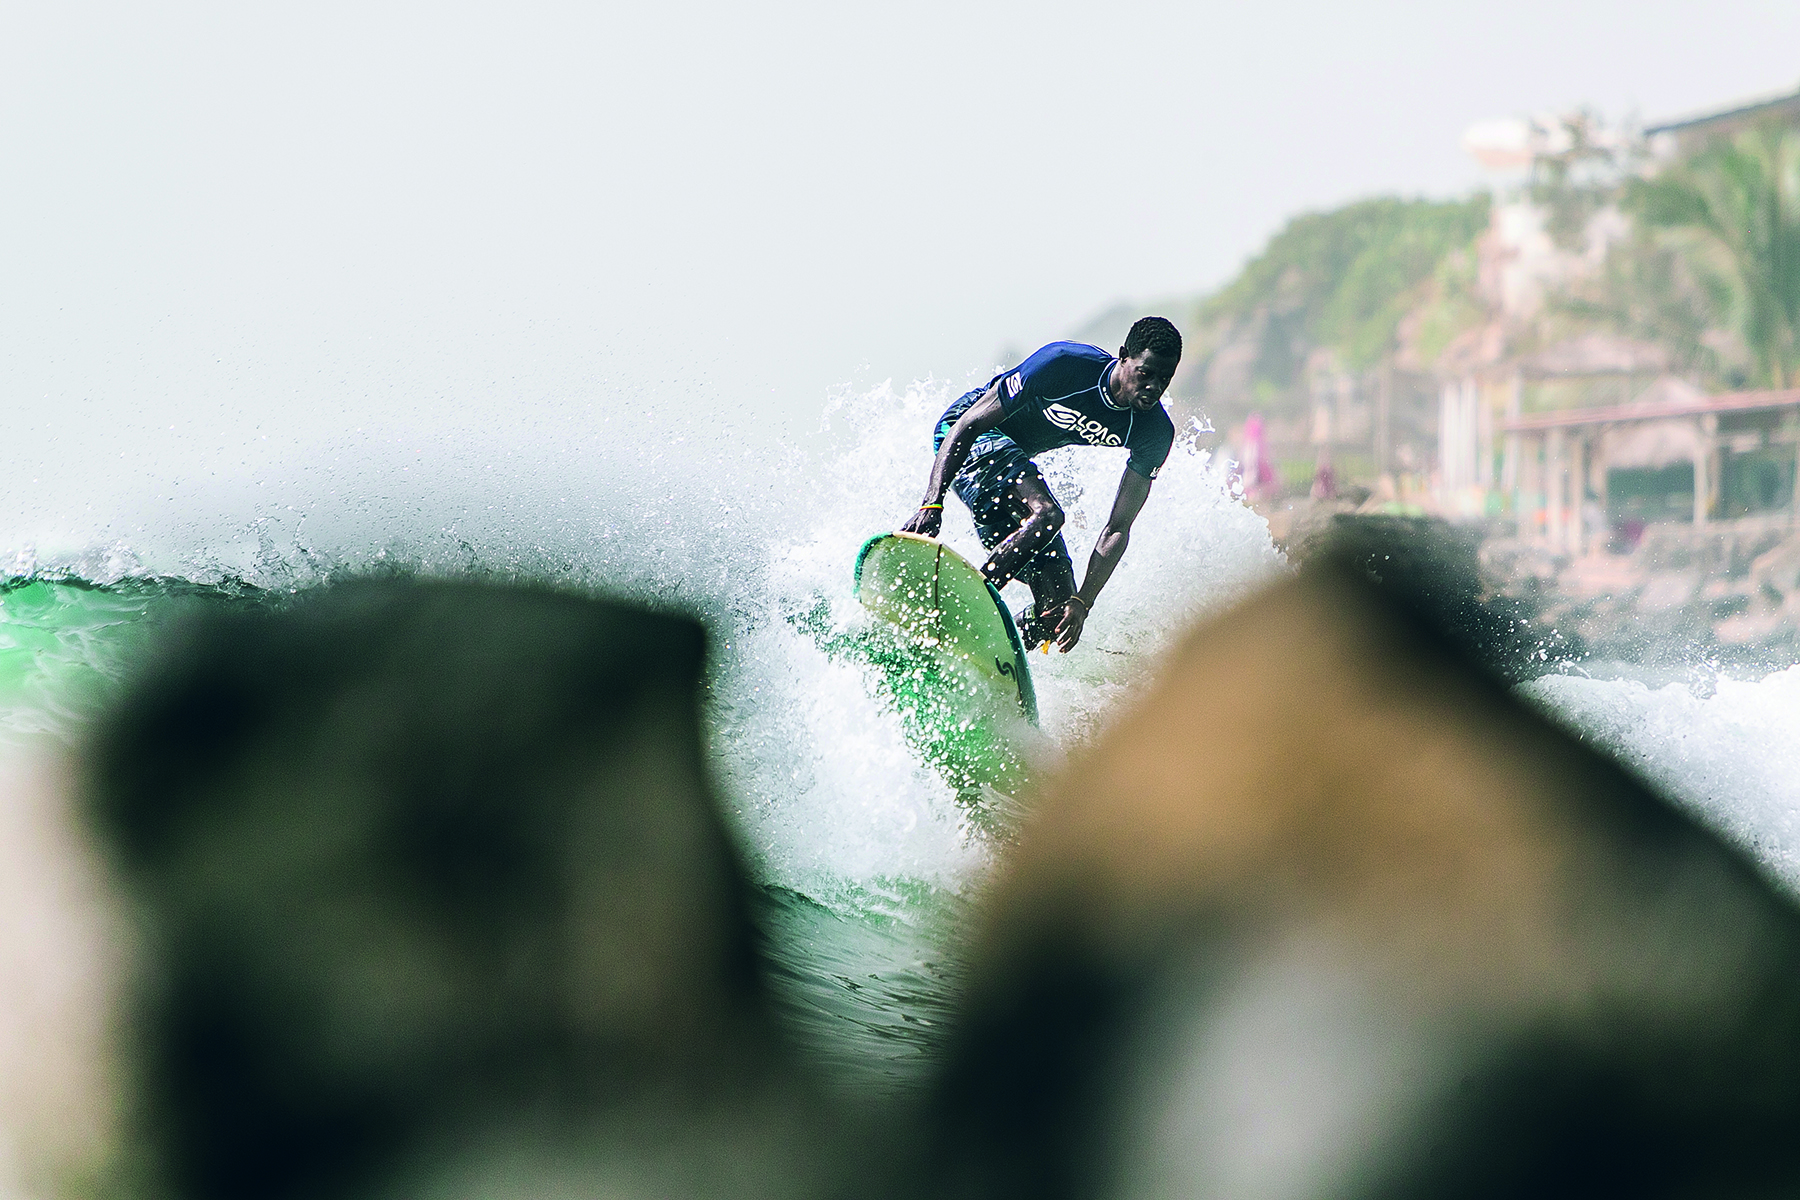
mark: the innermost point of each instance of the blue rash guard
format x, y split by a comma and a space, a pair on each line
1058, 397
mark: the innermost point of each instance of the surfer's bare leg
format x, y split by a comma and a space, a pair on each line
1051, 578
1043, 521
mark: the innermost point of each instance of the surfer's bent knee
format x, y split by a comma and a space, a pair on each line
1047, 517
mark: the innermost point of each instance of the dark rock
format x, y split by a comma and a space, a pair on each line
1432, 570
1330, 913
431, 877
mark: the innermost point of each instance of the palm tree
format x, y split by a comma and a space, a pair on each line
1743, 197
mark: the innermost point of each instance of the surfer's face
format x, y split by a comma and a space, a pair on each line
1142, 379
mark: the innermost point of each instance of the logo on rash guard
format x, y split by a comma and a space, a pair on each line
1091, 431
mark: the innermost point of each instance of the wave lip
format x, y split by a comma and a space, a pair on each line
1732, 758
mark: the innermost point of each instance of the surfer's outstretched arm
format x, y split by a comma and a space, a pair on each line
982, 416
1109, 548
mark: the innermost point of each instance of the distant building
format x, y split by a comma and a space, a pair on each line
1679, 138
1594, 478
1588, 441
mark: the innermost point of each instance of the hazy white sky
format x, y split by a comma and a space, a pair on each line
253, 210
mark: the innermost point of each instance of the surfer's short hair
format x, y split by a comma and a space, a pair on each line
1157, 334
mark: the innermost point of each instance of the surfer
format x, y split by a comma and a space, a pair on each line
1066, 394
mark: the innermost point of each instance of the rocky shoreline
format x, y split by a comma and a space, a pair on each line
1724, 597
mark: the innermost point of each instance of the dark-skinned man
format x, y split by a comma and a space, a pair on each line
1067, 394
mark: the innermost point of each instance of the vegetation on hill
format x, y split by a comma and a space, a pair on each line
1706, 264
1347, 277
1737, 203
1340, 281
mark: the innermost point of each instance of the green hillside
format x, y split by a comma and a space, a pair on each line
1343, 279
1340, 281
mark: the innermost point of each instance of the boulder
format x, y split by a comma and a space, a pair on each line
436, 900
1330, 913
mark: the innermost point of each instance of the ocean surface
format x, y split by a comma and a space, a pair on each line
863, 856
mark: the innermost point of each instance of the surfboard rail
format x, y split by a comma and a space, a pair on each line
993, 649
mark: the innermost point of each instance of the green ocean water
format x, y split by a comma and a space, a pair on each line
864, 978
65, 644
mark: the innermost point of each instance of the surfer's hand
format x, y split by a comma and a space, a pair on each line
1068, 630
926, 521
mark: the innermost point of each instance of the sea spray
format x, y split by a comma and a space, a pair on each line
671, 507
862, 847
666, 507
1731, 757
869, 812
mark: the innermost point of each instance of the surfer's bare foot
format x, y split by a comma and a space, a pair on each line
1031, 633
1033, 630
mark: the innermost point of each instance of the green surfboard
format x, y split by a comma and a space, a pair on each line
944, 604
957, 670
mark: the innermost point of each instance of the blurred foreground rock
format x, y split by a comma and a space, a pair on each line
435, 902
1432, 572
1329, 913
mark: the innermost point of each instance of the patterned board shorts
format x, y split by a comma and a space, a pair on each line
988, 484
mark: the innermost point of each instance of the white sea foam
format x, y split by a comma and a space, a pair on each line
828, 785
1732, 757
755, 530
